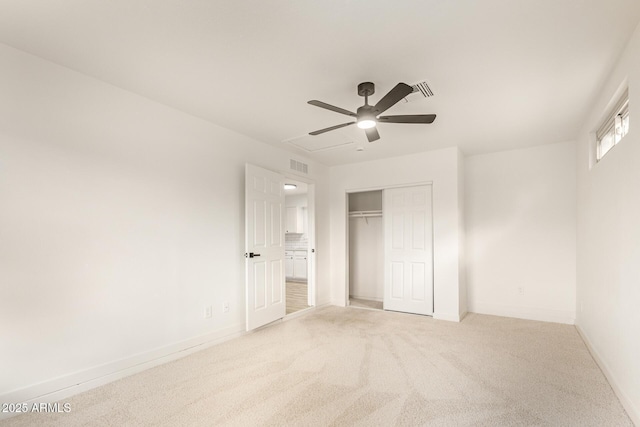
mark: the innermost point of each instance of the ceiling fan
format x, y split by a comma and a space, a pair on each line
368, 116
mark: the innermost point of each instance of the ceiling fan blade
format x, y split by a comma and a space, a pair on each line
390, 99
372, 134
332, 108
416, 118
318, 132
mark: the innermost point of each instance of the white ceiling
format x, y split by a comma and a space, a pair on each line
506, 74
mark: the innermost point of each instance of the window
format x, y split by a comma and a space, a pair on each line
614, 128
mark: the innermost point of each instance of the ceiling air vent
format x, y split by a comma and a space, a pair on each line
421, 90
298, 166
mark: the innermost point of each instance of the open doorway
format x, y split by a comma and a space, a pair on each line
298, 250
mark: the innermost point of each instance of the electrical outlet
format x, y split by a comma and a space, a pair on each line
208, 312
225, 307
520, 290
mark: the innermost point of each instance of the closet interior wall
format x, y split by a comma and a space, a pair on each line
366, 246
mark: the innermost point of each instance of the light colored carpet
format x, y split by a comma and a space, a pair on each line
346, 366
365, 303
296, 296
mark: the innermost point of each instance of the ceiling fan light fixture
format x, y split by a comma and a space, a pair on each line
366, 123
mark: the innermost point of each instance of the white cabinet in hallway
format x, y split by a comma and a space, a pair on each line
295, 264
295, 220
288, 264
300, 265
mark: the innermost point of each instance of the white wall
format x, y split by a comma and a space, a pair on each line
297, 200
520, 221
366, 258
439, 167
608, 258
120, 220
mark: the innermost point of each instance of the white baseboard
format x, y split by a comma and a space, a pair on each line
367, 298
632, 410
450, 317
63, 387
541, 314
324, 304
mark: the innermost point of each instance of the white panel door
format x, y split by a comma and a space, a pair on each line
264, 235
408, 241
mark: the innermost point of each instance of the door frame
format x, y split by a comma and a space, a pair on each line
348, 191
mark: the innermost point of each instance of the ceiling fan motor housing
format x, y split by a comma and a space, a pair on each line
366, 89
366, 112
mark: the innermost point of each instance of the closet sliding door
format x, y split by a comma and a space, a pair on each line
408, 242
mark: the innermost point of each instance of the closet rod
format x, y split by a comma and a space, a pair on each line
365, 215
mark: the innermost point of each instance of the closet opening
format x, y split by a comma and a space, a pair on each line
390, 249
366, 250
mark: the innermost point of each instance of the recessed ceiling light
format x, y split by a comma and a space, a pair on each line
290, 186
